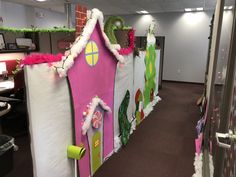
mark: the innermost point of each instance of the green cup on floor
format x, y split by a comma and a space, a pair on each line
75, 152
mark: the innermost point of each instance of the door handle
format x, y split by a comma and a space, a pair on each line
231, 136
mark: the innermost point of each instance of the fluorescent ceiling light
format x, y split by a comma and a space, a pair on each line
193, 9
199, 8
187, 9
228, 7
142, 12
40, 0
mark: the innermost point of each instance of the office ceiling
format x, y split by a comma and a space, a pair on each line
120, 7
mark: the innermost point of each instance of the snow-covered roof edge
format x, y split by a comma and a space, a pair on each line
80, 43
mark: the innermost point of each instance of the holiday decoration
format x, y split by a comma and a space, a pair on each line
95, 20
91, 115
40, 30
75, 152
92, 112
116, 23
130, 48
40, 58
124, 74
50, 121
125, 125
146, 69
97, 119
112, 23
150, 74
91, 65
139, 107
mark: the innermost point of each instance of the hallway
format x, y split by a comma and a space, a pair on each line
163, 145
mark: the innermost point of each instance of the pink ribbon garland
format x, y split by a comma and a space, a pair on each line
127, 51
41, 58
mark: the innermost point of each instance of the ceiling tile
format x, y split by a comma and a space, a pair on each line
127, 6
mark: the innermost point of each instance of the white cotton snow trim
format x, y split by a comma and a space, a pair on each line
158, 99
133, 127
151, 39
88, 119
150, 106
81, 41
211, 166
117, 143
198, 165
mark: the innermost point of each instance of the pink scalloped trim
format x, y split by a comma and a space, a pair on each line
41, 58
128, 50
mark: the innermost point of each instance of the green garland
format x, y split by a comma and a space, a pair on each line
40, 30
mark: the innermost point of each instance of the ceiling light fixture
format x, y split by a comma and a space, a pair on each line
193, 9
41, 0
142, 12
228, 7
199, 8
187, 9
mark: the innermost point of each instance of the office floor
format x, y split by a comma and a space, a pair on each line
162, 146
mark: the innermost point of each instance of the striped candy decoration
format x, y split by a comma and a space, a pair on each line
97, 119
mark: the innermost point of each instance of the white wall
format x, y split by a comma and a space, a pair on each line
19, 16
186, 42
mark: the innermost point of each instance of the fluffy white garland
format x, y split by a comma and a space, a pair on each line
117, 143
133, 127
81, 41
198, 165
88, 119
150, 106
151, 40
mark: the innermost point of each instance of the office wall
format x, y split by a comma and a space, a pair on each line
186, 42
19, 16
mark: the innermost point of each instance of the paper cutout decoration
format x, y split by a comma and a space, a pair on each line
139, 114
94, 22
75, 152
86, 82
125, 125
123, 82
150, 74
91, 53
120, 34
96, 152
111, 24
95, 136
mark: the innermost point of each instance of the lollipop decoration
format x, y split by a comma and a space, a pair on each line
97, 119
